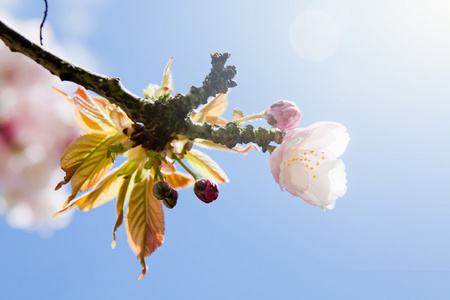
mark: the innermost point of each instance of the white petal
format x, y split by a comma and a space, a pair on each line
330, 137
338, 180
295, 177
276, 162
329, 184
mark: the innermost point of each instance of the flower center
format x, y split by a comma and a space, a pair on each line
311, 159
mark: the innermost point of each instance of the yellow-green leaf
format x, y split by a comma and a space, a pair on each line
167, 77
79, 149
144, 221
76, 153
122, 198
178, 180
216, 107
210, 145
89, 113
104, 191
95, 165
205, 166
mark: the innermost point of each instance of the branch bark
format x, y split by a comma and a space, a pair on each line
108, 87
160, 118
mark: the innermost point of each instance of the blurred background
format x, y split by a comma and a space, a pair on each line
381, 68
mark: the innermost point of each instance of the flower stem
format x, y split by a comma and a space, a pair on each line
251, 117
158, 174
195, 176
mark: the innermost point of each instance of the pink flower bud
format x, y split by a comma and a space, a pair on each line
206, 190
283, 114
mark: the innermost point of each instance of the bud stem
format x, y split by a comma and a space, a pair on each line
195, 176
158, 175
251, 117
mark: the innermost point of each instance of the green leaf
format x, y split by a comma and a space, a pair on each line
205, 166
144, 221
140, 175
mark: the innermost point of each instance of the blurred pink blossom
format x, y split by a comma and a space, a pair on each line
307, 163
35, 127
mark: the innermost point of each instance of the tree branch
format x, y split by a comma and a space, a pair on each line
108, 87
161, 118
232, 134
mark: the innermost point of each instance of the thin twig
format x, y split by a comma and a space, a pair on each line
43, 21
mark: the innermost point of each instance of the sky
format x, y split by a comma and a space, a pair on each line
380, 68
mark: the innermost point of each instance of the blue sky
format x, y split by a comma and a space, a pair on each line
384, 74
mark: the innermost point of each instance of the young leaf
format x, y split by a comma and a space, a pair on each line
167, 77
205, 166
178, 180
89, 113
237, 114
76, 153
213, 120
210, 145
216, 107
122, 198
144, 221
95, 165
104, 191
212, 111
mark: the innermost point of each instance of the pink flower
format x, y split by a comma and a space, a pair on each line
283, 114
307, 163
35, 127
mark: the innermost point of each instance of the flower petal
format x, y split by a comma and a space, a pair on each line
306, 165
329, 186
295, 177
329, 137
276, 162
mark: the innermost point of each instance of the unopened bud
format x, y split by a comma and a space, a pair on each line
171, 202
206, 190
283, 114
163, 191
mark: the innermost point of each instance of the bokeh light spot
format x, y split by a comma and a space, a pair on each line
314, 35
